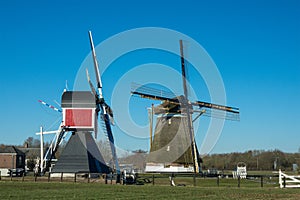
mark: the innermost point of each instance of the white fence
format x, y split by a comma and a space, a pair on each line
288, 181
4, 172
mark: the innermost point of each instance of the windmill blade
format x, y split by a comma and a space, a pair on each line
50, 106
91, 84
96, 126
107, 123
106, 110
183, 70
152, 93
221, 114
154, 97
110, 112
217, 107
188, 111
201, 112
98, 77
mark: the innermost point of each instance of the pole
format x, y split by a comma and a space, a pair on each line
13, 162
151, 124
42, 149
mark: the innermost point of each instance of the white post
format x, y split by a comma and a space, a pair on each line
42, 149
280, 179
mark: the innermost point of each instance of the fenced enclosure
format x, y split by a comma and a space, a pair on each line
153, 179
207, 189
148, 186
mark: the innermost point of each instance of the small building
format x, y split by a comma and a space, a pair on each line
11, 158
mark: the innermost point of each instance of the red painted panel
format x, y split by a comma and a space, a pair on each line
79, 117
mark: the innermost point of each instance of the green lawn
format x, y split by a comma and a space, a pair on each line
69, 190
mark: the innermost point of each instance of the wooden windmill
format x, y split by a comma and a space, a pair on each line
173, 147
80, 110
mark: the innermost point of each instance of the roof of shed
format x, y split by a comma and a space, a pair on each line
10, 149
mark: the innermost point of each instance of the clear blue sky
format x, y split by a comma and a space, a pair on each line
255, 45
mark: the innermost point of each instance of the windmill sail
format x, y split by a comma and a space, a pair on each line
106, 111
188, 113
211, 110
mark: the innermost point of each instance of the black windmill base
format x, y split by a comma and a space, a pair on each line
81, 155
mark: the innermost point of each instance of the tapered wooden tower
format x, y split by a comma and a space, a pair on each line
81, 153
173, 147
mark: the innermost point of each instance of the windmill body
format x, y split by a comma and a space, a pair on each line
81, 110
81, 153
173, 147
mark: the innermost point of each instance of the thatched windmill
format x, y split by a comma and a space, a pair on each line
173, 147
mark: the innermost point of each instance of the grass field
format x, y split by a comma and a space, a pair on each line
205, 189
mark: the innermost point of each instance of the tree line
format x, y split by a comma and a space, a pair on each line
254, 160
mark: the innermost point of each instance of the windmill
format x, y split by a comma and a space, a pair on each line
80, 110
173, 148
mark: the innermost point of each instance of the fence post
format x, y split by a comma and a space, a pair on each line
75, 177
239, 181
261, 181
89, 174
111, 178
61, 176
218, 181
284, 182
0, 175
280, 178
152, 179
49, 174
118, 179
23, 175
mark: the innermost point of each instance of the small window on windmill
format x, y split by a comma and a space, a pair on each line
79, 110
